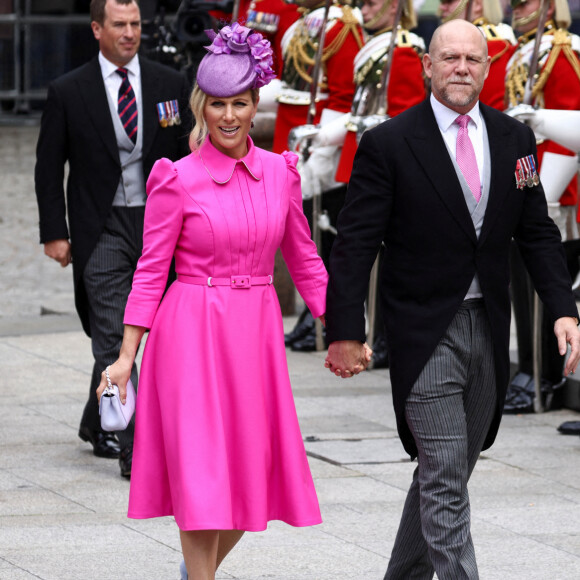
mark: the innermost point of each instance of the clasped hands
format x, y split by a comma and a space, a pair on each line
347, 358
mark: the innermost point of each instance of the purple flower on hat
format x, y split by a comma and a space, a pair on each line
238, 39
262, 52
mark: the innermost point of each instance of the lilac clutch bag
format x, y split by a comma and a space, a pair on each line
114, 415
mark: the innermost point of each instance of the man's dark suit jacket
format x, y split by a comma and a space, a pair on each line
77, 127
404, 191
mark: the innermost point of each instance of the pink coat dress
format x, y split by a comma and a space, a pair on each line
217, 440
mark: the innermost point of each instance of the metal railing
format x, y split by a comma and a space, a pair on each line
35, 49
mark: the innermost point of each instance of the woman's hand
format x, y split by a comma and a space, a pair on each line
120, 371
119, 374
368, 353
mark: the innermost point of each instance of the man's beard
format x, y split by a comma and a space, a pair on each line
462, 99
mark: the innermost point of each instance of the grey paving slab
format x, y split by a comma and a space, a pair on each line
63, 511
349, 450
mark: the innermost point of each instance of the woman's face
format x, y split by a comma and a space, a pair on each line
228, 120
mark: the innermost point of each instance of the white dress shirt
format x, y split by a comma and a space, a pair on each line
113, 80
445, 118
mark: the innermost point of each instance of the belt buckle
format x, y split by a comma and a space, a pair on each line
241, 281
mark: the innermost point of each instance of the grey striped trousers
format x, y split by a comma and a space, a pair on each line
107, 277
449, 411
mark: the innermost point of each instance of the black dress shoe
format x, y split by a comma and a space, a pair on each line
126, 461
304, 326
308, 343
380, 358
104, 444
570, 428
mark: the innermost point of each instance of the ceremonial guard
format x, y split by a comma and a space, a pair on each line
487, 15
334, 145
406, 84
340, 26
558, 68
555, 85
342, 40
403, 76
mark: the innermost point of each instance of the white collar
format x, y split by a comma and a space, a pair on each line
445, 116
108, 68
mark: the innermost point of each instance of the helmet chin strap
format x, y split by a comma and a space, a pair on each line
458, 10
518, 22
372, 23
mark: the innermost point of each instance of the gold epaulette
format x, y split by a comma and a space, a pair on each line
491, 33
487, 28
515, 83
561, 42
351, 26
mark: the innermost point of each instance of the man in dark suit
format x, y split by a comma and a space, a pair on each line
437, 185
111, 119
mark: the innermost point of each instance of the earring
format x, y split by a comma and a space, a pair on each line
252, 124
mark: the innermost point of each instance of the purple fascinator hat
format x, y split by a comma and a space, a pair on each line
238, 59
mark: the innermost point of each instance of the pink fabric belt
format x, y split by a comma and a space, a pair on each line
240, 281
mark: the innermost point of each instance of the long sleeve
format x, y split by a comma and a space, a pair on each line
51, 155
539, 242
361, 229
298, 249
163, 224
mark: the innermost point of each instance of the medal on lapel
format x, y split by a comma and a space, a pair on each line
535, 177
528, 171
526, 174
520, 181
168, 113
175, 111
262, 21
162, 115
170, 118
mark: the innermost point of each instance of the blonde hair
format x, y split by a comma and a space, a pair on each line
197, 104
199, 133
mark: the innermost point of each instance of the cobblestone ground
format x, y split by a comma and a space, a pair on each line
30, 283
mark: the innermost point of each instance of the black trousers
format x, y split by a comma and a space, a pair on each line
108, 277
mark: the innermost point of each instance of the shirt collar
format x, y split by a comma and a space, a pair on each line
221, 167
108, 68
445, 116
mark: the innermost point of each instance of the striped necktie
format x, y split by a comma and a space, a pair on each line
127, 105
465, 156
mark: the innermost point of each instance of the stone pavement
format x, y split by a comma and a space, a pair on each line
62, 510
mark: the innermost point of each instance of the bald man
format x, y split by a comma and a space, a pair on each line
437, 184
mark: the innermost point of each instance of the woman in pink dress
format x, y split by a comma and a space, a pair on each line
217, 441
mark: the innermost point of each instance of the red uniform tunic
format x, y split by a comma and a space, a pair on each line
557, 87
272, 18
406, 85
501, 44
342, 42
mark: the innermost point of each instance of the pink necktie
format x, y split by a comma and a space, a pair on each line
465, 156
